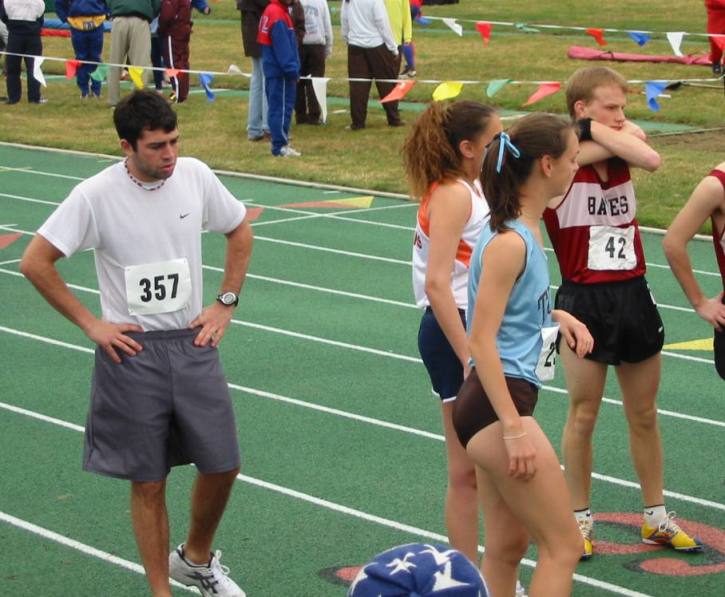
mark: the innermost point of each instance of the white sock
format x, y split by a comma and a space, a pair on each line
654, 515
584, 515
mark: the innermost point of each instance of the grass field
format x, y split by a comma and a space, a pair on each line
215, 131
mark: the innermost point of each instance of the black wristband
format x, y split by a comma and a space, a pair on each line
584, 126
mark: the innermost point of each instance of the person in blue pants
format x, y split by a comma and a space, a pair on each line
281, 66
85, 18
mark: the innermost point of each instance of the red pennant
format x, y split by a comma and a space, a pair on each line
8, 239
485, 30
598, 35
71, 67
398, 92
171, 72
543, 90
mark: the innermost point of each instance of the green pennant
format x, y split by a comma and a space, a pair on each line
525, 28
496, 85
100, 73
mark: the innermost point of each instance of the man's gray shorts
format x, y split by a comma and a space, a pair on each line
166, 406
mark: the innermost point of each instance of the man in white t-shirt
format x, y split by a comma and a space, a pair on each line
159, 396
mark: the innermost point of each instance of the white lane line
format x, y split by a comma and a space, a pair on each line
369, 420
329, 505
29, 199
9, 261
386, 353
78, 546
329, 250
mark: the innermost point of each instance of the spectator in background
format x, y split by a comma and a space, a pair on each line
85, 18
257, 128
157, 59
401, 25
281, 65
297, 14
175, 34
371, 54
716, 24
24, 19
315, 49
130, 40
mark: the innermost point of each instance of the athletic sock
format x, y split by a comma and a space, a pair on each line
654, 515
584, 515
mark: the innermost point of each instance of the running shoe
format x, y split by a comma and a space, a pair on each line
212, 579
289, 152
586, 528
670, 534
408, 73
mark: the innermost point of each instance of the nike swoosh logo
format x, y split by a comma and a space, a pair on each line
182, 216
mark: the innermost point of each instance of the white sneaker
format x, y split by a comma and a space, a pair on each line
288, 152
212, 579
520, 591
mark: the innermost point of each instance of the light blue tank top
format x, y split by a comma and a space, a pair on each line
528, 309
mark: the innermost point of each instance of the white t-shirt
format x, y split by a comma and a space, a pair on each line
147, 243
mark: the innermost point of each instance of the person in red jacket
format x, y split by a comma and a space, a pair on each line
716, 24
175, 34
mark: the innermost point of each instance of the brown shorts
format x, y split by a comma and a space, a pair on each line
472, 410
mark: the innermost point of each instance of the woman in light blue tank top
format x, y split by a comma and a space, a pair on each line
512, 341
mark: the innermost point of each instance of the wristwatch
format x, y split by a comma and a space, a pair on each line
228, 299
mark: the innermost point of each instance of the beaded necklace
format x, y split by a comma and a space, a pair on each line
147, 186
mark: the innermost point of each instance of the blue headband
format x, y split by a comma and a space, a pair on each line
504, 143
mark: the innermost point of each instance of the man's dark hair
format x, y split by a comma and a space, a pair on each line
142, 110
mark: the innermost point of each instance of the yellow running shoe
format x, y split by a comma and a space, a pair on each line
586, 527
670, 534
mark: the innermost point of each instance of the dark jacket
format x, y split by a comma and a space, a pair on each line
278, 41
80, 8
251, 13
145, 9
175, 19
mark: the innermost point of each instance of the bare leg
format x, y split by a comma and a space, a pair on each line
585, 383
506, 539
461, 509
541, 505
151, 527
639, 383
208, 500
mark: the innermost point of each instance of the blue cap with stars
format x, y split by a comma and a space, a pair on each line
419, 570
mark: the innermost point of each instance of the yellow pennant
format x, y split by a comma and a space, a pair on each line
704, 344
447, 90
136, 74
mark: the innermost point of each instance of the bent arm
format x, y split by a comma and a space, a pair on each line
625, 144
238, 254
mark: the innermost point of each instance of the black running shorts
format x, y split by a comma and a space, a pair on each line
166, 406
621, 316
444, 367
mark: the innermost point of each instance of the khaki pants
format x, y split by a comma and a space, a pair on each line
130, 39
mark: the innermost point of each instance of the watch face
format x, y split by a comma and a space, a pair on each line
228, 298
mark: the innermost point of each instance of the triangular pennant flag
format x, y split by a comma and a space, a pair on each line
704, 344
485, 30
71, 67
234, 70
421, 20
447, 90
639, 38
675, 39
653, 89
544, 90
171, 72
457, 29
135, 73
398, 92
319, 85
205, 80
496, 85
525, 28
100, 73
598, 35
37, 73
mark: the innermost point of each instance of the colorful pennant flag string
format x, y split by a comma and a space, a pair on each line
455, 27
447, 90
205, 80
544, 90
485, 30
675, 39
38, 73
496, 85
100, 73
598, 35
398, 92
135, 73
319, 86
653, 89
639, 37
71, 67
